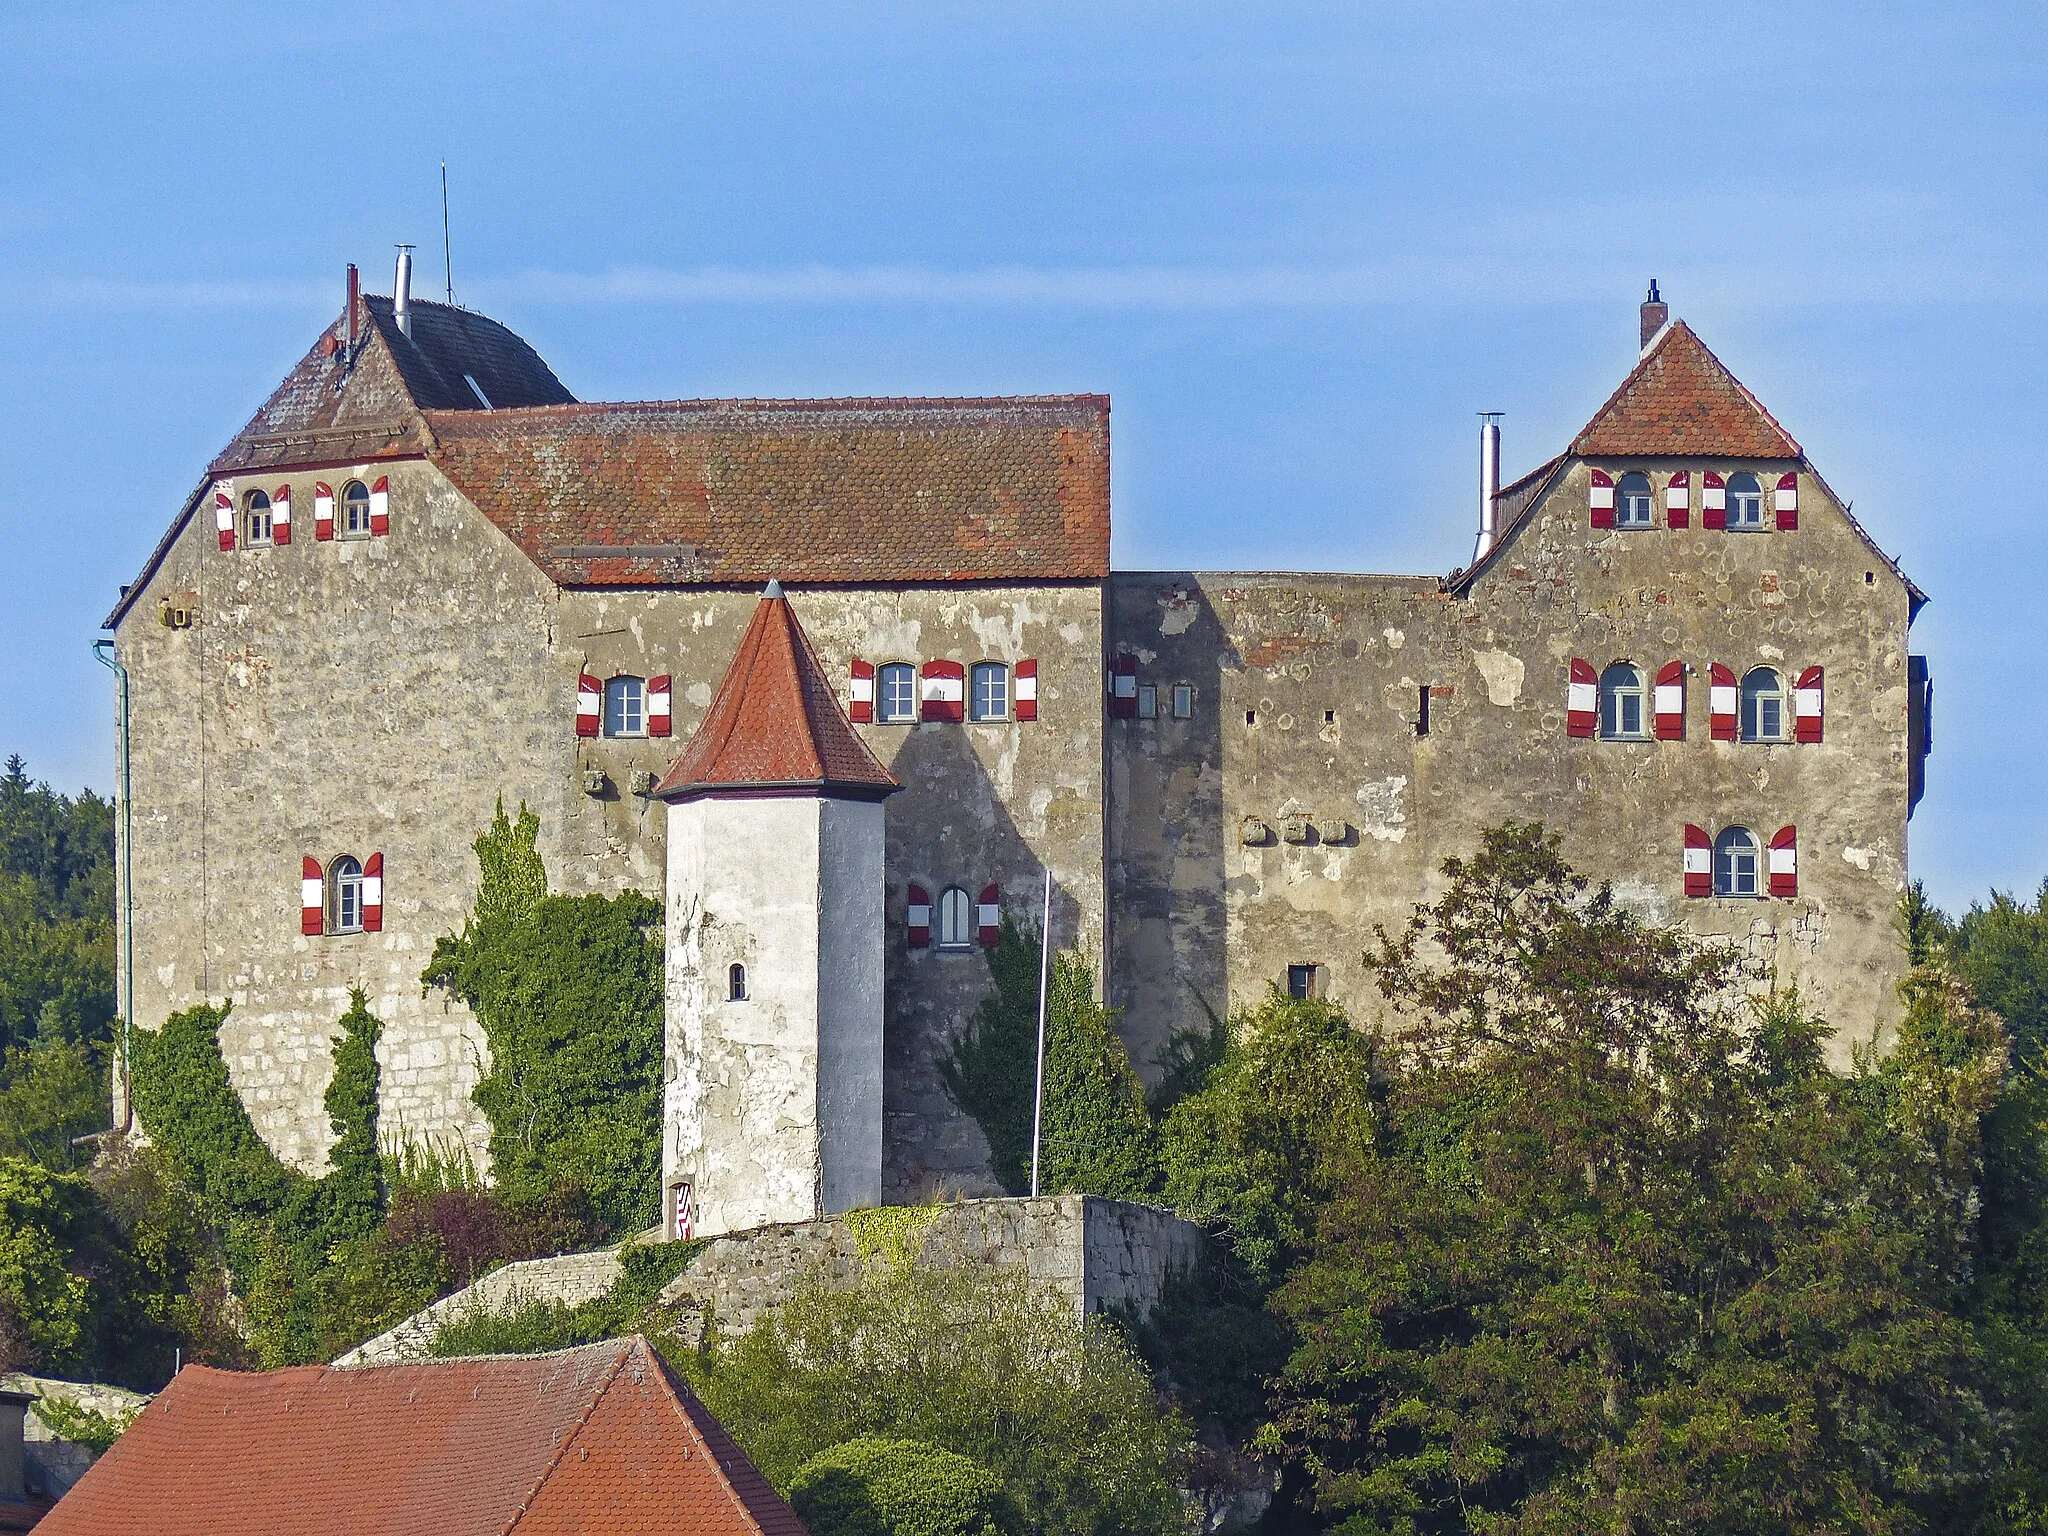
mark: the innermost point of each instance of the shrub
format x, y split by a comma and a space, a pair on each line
44, 1218
875, 1486
537, 1325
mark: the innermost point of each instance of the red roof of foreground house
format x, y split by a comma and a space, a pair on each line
1680, 399
775, 723
598, 1439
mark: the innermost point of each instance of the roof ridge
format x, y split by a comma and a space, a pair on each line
773, 402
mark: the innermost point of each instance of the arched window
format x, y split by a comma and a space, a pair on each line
345, 896
1624, 701
355, 510
896, 694
1745, 501
1763, 705
625, 707
256, 518
736, 983
1735, 862
956, 919
990, 699
1632, 501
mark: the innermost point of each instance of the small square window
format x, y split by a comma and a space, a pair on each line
1302, 980
1148, 702
625, 707
1183, 701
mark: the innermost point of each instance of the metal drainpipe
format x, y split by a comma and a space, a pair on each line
124, 1104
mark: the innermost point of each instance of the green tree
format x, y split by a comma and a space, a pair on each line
56, 913
876, 1486
44, 1218
1619, 1253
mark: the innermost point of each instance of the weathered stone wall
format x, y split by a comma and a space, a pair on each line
52, 1465
381, 695
1308, 692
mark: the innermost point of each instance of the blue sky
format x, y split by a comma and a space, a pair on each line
1298, 245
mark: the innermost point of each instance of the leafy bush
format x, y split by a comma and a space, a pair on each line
79, 1424
45, 1219
569, 992
967, 1359
875, 1486
538, 1325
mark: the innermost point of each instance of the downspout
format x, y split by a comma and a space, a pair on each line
124, 1104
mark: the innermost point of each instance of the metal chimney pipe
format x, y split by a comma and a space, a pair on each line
401, 293
1489, 483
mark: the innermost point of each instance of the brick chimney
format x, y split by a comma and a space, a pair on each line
1655, 315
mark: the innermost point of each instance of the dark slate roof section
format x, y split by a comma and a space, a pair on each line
740, 492
447, 343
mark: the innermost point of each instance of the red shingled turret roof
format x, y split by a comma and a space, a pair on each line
775, 723
600, 1438
1680, 399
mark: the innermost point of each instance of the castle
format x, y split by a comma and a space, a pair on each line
424, 577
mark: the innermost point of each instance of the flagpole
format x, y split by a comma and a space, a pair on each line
1044, 970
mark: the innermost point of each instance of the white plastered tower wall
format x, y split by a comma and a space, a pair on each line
773, 1108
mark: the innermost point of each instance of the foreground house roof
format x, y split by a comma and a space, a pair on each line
597, 1439
775, 725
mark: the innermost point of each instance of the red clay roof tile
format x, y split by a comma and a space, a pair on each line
1680, 399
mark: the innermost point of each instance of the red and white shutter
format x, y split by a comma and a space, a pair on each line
1806, 706
1713, 501
589, 705
281, 515
945, 691
224, 517
1600, 500
988, 916
1123, 687
1027, 689
323, 510
1582, 700
373, 894
312, 898
1785, 862
917, 928
1669, 697
380, 506
1788, 501
659, 721
1678, 501
860, 697
1721, 702
1699, 862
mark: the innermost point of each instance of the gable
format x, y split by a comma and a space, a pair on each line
1680, 399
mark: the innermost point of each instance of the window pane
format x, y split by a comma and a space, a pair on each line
897, 701
622, 707
1769, 722
1183, 701
1631, 714
1148, 701
991, 691
355, 507
954, 913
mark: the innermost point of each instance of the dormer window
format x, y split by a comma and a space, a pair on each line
1745, 502
355, 510
1632, 501
256, 518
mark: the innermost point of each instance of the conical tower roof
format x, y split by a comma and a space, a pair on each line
1681, 399
775, 725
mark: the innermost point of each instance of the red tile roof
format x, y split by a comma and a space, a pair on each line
1680, 399
775, 723
598, 1439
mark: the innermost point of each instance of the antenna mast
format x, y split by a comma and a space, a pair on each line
447, 256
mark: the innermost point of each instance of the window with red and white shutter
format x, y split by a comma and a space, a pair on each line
1699, 862
917, 918
373, 893
281, 515
1668, 702
1026, 700
1785, 862
988, 916
1678, 501
312, 897
860, 691
1582, 699
944, 691
1600, 499
224, 516
1723, 701
1713, 501
380, 506
1123, 687
323, 511
589, 705
1788, 501
1806, 706
659, 721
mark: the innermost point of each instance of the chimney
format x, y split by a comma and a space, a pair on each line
1489, 483
355, 292
13, 1453
401, 293
1656, 314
